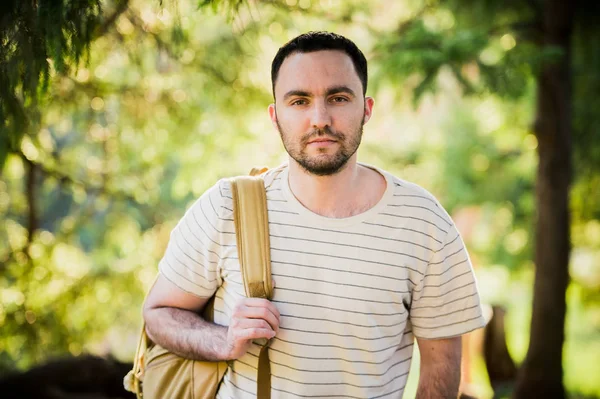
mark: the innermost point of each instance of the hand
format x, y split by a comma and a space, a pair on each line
252, 318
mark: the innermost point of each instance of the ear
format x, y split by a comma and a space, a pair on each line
273, 115
368, 108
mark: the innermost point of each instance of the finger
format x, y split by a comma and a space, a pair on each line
261, 302
254, 333
261, 313
253, 323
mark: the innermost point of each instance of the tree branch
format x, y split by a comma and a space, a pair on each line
111, 19
30, 188
65, 178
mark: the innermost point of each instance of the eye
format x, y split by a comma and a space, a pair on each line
299, 101
338, 99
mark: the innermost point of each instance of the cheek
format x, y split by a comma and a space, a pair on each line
292, 122
357, 112
347, 120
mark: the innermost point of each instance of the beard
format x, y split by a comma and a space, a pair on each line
323, 163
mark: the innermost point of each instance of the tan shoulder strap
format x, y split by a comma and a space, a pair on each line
252, 235
257, 170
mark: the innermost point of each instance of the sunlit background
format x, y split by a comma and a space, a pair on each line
174, 97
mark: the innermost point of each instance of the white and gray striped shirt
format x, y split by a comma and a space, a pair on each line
353, 293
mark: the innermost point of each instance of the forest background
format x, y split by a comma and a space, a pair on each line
129, 110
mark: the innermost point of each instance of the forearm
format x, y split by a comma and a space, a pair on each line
186, 334
439, 382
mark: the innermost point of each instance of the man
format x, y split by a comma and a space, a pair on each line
363, 261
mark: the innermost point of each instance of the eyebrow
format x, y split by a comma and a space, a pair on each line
330, 91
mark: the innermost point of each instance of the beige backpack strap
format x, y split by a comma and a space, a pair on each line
257, 170
252, 234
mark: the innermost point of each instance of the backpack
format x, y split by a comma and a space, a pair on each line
158, 373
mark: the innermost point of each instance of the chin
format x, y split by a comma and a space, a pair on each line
323, 168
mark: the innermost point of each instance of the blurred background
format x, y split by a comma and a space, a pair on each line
115, 115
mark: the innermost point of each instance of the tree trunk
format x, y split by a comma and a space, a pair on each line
541, 373
31, 194
501, 369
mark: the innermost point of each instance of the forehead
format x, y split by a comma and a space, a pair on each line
315, 72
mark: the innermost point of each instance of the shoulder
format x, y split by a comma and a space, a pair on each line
413, 199
214, 202
272, 177
406, 189
220, 193
222, 199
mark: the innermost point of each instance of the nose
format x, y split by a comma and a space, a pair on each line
320, 115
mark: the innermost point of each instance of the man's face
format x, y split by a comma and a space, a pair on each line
320, 110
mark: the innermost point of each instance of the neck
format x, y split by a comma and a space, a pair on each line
339, 195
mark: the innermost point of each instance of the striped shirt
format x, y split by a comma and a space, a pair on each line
353, 292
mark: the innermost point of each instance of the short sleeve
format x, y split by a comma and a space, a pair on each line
192, 258
446, 302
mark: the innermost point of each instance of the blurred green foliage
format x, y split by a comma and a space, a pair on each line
174, 97
35, 38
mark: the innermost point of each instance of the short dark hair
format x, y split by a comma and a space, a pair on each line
316, 41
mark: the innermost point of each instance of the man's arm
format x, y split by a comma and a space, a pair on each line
173, 322
440, 368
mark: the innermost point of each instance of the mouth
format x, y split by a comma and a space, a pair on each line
322, 140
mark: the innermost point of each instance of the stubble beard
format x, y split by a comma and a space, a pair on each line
323, 164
